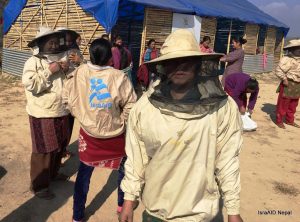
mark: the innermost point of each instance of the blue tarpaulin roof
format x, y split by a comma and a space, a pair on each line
106, 12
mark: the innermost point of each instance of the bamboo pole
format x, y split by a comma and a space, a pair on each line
229, 37
144, 34
42, 12
57, 19
282, 46
87, 43
229, 40
21, 25
84, 37
66, 13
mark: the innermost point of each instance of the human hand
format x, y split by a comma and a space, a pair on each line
222, 59
64, 66
285, 82
242, 110
127, 211
234, 218
74, 57
54, 67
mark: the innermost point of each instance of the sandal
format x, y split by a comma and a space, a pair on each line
45, 194
293, 124
280, 125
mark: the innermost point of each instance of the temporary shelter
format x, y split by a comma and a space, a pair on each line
137, 21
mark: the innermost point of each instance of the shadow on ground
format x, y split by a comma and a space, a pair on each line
270, 109
110, 186
39, 210
3, 171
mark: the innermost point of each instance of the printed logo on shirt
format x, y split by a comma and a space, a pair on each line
99, 95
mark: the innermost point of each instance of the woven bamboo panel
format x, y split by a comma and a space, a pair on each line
209, 28
157, 25
52, 13
278, 47
270, 40
251, 34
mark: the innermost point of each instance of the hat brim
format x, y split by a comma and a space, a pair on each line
183, 54
32, 43
291, 46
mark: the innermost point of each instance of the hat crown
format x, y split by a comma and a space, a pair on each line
180, 40
44, 31
294, 42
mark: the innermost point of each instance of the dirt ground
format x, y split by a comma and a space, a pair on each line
270, 168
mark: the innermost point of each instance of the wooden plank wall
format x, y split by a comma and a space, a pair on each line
52, 13
270, 40
251, 34
157, 25
209, 28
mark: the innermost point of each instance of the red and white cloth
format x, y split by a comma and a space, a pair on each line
105, 153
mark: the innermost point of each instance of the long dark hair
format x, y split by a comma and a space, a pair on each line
205, 38
240, 40
150, 41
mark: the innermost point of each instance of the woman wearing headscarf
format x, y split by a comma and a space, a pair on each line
43, 78
235, 58
183, 140
100, 97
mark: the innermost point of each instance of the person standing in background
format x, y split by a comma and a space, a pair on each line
145, 78
235, 58
288, 71
204, 45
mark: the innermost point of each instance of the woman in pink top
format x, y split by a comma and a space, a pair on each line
204, 45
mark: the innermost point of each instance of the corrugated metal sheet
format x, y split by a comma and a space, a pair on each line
255, 64
13, 61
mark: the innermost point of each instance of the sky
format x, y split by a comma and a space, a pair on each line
286, 11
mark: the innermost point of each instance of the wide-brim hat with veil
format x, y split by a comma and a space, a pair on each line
44, 32
292, 44
182, 44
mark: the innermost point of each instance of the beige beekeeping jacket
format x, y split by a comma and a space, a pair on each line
43, 89
175, 159
289, 68
100, 98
